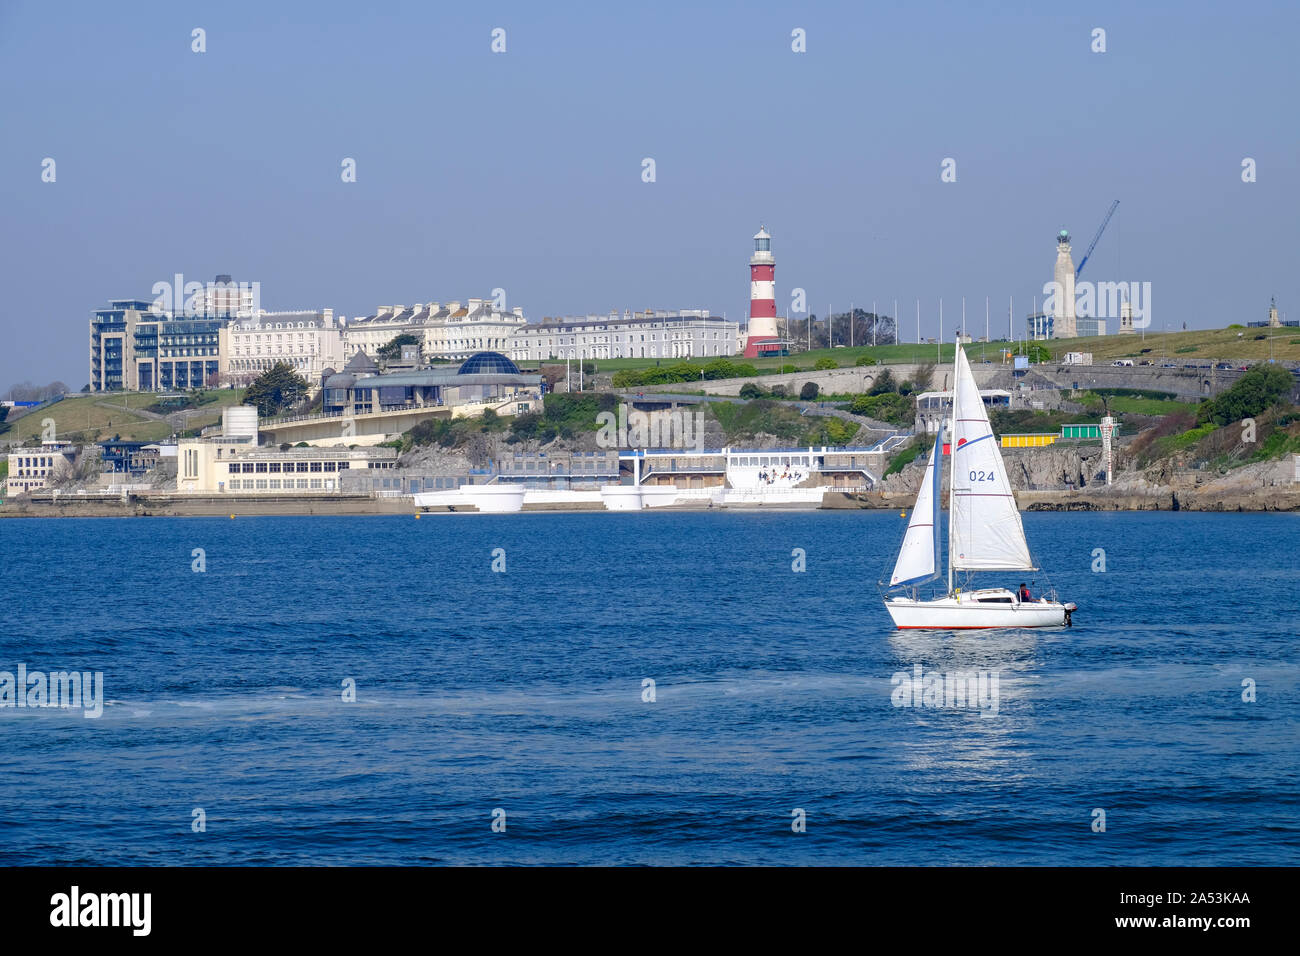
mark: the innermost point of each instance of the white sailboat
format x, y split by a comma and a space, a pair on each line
985, 532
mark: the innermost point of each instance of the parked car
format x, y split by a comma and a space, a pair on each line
1123, 361
1169, 365
1223, 367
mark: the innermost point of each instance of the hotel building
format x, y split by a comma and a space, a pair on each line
451, 331
649, 334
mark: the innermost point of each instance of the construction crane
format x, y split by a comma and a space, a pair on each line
1093, 245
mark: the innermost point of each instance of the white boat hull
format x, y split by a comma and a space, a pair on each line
968, 612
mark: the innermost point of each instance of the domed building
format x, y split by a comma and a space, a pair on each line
488, 363
484, 377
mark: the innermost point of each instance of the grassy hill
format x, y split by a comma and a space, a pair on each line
98, 416
1197, 347
1181, 348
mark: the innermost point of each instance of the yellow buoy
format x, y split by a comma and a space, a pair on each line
902, 514
232, 517
417, 516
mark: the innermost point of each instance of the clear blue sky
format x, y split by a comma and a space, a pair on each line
523, 170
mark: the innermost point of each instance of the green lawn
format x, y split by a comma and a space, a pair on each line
844, 357
1156, 346
95, 417
1134, 405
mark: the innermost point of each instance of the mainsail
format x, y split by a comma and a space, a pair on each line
985, 530
918, 555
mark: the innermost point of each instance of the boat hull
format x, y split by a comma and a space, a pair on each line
959, 614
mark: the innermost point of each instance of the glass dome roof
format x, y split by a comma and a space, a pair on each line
488, 363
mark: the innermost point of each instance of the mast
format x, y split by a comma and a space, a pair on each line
952, 455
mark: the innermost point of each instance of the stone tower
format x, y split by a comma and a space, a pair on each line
1063, 324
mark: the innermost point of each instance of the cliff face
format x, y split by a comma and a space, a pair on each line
1051, 468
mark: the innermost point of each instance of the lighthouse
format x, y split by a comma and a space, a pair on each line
762, 298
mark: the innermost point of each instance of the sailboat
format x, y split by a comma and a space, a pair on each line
985, 532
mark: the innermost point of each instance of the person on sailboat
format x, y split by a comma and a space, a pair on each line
1025, 596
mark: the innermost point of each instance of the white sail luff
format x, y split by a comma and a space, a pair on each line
916, 557
985, 530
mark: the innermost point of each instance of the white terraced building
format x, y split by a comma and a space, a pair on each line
451, 331
309, 341
649, 334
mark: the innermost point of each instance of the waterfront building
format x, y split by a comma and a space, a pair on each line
657, 334
173, 342
934, 409
308, 341
31, 469
233, 462
133, 457
133, 348
486, 378
1037, 440
451, 331
760, 469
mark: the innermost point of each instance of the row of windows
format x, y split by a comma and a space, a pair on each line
755, 461
286, 325
40, 461
279, 484
275, 467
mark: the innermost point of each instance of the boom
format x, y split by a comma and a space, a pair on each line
1093, 245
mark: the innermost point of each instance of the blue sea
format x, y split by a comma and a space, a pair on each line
520, 698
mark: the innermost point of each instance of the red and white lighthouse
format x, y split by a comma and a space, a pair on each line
762, 297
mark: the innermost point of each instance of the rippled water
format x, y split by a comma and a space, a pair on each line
523, 691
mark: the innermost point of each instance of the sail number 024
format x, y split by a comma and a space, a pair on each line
981, 476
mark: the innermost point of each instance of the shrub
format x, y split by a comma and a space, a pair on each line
825, 364
888, 407
884, 383
809, 392
1256, 390
914, 449
751, 390
865, 360
779, 391
788, 369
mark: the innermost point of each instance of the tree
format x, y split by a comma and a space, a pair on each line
823, 364
751, 390
393, 349
276, 389
1260, 388
920, 381
809, 391
884, 383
